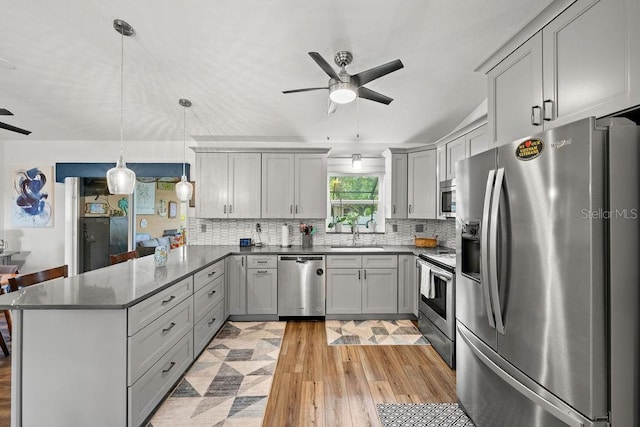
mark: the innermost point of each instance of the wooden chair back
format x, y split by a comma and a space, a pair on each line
8, 269
31, 279
118, 258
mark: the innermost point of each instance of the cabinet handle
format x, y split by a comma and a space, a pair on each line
410, 208
230, 208
393, 210
210, 322
290, 209
211, 274
262, 262
169, 328
365, 275
262, 271
296, 208
548, 110
225, 208
358, 274
212, 292
242, 261
164, 371
535, 118
167, 301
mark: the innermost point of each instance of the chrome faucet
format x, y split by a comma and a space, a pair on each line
356, 233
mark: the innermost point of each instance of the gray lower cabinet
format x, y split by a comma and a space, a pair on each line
355, 287
262, 284
236, 275
407, 285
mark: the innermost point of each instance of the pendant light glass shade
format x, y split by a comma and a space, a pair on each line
184, 189
121, 180
356, 161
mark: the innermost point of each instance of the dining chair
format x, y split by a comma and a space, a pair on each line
124, 256
24, 280
8, 269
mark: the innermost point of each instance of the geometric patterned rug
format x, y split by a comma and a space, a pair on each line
422, 414
229, 383
373, 332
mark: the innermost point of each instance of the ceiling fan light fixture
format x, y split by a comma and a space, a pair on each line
120, 179
184, 189
356, 161
342, 93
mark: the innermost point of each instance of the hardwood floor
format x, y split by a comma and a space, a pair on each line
320, 385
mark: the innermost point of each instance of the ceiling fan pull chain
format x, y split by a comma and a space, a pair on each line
358, 117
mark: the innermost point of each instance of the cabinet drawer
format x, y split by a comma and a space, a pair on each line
270, 261
379, 261
149, 390
148, 345
207, 297
207, 327
203, 277
145, 312
344, 261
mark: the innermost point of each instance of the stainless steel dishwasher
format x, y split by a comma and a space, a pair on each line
301, 285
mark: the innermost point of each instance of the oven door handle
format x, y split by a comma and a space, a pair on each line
444, 276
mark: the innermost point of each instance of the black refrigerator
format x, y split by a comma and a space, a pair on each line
99, 238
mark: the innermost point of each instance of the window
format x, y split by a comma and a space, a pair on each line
354, 200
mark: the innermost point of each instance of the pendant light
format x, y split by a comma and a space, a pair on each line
184, 189
356, 161
120, 179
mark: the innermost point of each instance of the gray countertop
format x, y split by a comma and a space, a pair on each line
123, 285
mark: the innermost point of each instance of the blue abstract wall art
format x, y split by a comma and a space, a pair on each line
33, 200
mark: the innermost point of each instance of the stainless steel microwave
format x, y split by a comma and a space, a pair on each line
447, 199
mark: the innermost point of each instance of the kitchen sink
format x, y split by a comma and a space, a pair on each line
357, 248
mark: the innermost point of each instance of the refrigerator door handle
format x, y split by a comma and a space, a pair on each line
493, 250
484, 248
519, 387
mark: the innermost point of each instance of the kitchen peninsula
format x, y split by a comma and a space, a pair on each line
104, 347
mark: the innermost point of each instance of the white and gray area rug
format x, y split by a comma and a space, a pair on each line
229, 384
422, 415
373, 332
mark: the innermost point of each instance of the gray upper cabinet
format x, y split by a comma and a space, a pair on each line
294, 185
421, 194
228, 185
396, 185
477, 141
456, 151
582, 63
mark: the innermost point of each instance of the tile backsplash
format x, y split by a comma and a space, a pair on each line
204, 231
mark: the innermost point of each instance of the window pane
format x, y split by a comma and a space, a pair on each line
354, 199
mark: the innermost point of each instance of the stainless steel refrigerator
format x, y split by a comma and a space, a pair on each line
547, 280
101, 237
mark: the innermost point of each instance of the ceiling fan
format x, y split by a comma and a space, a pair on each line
344, 87
5, 112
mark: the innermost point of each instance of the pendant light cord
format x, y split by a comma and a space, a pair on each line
184, 140
121, 92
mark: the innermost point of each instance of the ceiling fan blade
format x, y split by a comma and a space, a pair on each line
332, 107
304, 90
5, 112
324, 65
372, 95
14, 129
366, 76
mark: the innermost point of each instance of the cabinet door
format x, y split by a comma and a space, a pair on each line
236, 274
456, 151
477, 141
311, 186
588, 60
422, 184
244, 185
515, 92
398, 186
212, 177
344, 291
262, 291
407, 289
278, 189
441, 153
380, 290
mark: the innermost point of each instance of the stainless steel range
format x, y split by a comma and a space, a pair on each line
436, 320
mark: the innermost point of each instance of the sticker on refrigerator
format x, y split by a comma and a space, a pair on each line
529, 149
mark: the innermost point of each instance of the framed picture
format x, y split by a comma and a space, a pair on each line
145, 198
95, 208
192, 200
32, 197
173, 209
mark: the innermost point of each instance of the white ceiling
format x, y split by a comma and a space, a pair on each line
60, 67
